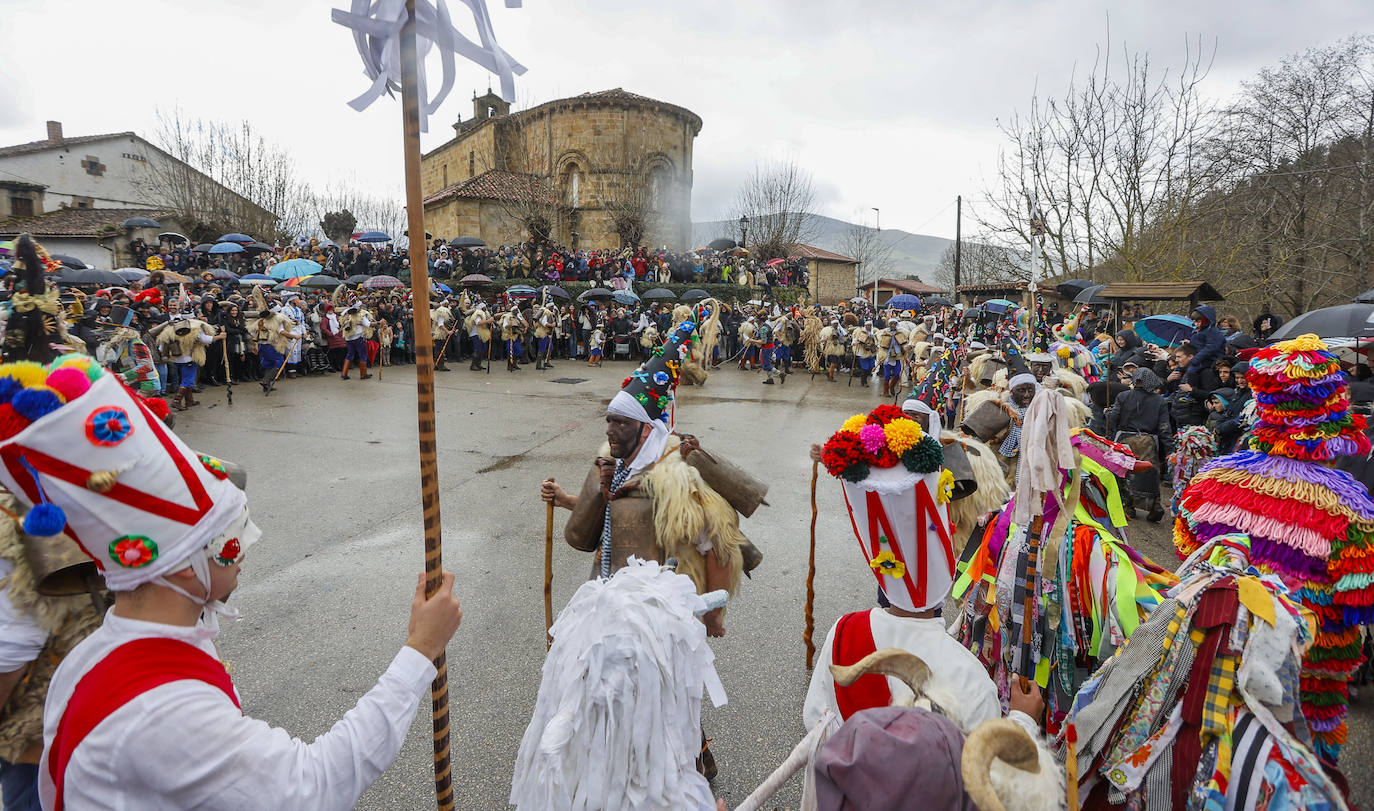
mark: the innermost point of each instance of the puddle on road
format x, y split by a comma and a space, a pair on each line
502, 463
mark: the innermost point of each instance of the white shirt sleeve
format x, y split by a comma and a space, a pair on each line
21, 640
820, 695
211, 756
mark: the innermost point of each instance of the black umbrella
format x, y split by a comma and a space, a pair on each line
722, 244
1073, 287
938, 301
475, 278
973, 312
659, 293
174, 237
357, 278
596, 294
320, 281
69, 261
467, 242
1088, 295
695, 294
141, 222
1367, 297
88, 276
555, 291
257, 247
1343, 321
203, 247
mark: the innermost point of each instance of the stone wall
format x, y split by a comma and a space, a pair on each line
831, 282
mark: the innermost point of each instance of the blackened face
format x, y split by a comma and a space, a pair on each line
623, 433
1023, 394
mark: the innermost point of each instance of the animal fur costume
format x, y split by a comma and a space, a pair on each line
35, 328
481, 321
832, 343
180, 339
694, 365
708, 314
441, 323
992, 493
883, 340
811, 340
266, 326
649, 338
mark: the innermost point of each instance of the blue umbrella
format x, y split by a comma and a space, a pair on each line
373, 236
292, 268
999, 305
227, 247
442, 288
1164, 330
255, 277
235, 237
905, 301
522, 291
625, 297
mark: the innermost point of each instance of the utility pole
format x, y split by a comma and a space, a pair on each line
958, 241
878, 227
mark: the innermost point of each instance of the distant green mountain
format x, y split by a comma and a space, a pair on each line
912, 254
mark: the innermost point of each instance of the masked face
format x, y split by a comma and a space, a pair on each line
1022, 395
623, 435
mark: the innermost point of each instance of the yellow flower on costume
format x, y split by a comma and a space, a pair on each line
1063, 352
946, 491
154, 263
886, 564
902, 435
854, 423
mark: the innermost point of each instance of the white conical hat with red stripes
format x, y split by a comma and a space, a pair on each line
905, 535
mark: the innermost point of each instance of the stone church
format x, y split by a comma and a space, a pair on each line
601, 169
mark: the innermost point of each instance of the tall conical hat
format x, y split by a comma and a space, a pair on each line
653, 383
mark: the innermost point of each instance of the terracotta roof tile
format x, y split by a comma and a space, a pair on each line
41, 146
799, 251
496, 184
912, 286
76, 222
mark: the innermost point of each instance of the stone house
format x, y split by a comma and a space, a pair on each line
592, 160
832, 278
96, 236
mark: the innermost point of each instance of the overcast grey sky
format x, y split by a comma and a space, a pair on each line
890, 103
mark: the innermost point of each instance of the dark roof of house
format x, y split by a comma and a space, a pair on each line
496, 184
799, 251
76, 222
1161, 291
44, 145
912, 286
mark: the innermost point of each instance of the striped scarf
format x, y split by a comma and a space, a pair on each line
622, 472
1012, 445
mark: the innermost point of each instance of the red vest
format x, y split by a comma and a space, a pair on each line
127, 672
853, 641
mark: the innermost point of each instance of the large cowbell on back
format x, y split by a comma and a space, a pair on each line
905, 535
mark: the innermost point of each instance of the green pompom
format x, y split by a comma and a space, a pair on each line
925, 456
855, 473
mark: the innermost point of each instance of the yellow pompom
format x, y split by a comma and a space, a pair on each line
1302, 343
28, 373
902, 435
854, 423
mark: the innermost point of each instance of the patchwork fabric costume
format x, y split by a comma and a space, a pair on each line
1309, 523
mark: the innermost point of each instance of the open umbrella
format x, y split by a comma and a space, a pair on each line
69, 261
373, 236
1355, 321
203, 247
773, 262
257, 247
555, 291
1088, 295
175, 278
625, 297
131, 274
475, 278
974, 312
175, 238
88, 276
905, 301
660, 294
256, 279
382, 282
294, 267
442, 288
1072, 287
695, 294
937, 301
466, 242
226, 247
223, 275
998, 305
235, 237
1164, 330
357, 278
596, 294
521, 290
140, 222
722, 244
320, 281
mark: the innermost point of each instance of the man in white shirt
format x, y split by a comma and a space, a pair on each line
141, 714
356, 323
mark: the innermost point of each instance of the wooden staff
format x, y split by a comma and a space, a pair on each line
1032, 554
811, 575
266, 390
548, 574
1071, 765
228, 376
424, 397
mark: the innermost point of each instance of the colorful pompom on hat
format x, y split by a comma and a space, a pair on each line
652, 384
898, 498
1310, 524
91, 460
1303, 403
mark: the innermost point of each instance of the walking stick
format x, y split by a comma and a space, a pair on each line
228, 375
1032, 554
811, 575
548, 575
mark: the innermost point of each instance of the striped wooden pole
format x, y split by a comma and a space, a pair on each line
424, 394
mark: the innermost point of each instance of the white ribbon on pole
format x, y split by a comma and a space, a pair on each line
376, 27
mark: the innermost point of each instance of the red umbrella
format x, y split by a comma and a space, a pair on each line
773, 262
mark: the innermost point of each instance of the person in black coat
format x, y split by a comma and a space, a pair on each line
1141, 417
1129, 349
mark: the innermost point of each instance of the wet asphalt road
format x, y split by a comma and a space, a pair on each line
334, 484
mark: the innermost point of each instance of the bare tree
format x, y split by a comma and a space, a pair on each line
382, 213
779, 199
873, 252
630, 204
982, 262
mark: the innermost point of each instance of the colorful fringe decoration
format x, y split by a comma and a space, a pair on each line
1194, 447
1310, 524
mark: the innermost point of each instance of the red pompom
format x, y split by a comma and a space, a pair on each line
11, 421
886, 413
157, 405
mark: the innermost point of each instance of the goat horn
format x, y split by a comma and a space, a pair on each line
1001, 739
894, 662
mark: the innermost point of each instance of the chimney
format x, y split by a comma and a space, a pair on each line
55, 131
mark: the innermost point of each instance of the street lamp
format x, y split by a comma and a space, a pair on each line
744, 231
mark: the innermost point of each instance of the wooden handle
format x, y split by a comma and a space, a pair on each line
548, 574
811, 576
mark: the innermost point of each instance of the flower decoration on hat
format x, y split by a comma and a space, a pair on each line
883, 438
653, 382
133, 551
108, 426
887, 563
215, 466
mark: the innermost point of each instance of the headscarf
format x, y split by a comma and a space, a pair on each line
1145, 379
856, 768
625, 405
